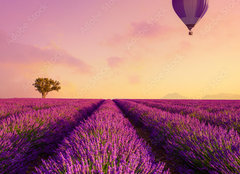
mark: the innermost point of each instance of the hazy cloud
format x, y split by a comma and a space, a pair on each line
135, 79
143, 30
27, 54
146, 29
114, 62
184, 45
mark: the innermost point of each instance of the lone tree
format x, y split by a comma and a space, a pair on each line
46, 85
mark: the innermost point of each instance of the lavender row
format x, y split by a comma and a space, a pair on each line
24, 138
105, 143
225, 120
204, 147
212, 106
15, 106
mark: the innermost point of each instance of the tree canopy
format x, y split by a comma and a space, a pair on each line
46, 85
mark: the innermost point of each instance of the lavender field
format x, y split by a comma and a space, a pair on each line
119, 136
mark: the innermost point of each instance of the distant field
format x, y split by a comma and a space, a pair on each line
119, 136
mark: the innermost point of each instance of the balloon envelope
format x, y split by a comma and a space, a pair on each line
190, 11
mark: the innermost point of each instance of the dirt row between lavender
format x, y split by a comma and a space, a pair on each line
45, 156
159, 153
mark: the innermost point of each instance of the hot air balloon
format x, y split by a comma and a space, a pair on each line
190, 11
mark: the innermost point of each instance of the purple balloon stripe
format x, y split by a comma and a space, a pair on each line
201, 8
190, 7
205, 9
178, 6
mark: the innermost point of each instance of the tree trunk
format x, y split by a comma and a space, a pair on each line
44, 95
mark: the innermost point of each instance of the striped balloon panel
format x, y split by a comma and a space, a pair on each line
190, 11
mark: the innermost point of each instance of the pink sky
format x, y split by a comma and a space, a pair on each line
118, 49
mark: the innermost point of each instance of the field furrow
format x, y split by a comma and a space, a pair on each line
228, 120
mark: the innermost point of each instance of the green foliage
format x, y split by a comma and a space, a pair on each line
46, 85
